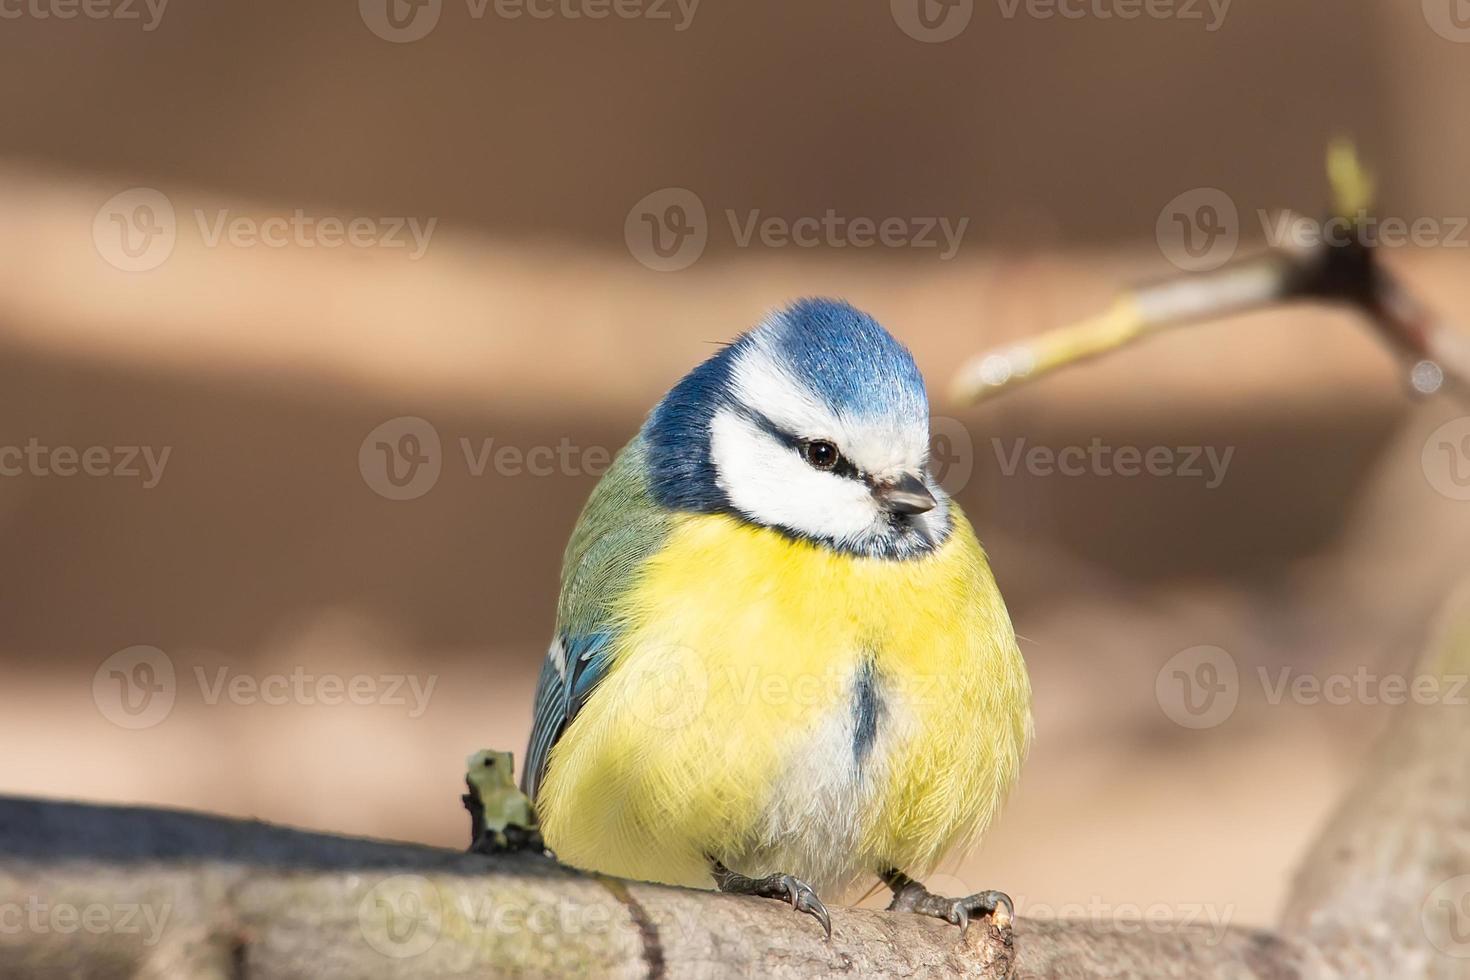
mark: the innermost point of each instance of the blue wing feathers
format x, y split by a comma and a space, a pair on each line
560, 694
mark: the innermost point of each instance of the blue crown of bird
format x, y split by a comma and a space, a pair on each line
781, 663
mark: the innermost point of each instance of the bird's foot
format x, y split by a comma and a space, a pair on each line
910, 896
779, 886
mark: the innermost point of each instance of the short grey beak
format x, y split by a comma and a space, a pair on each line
904, 495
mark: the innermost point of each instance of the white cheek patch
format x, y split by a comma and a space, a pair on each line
770, 483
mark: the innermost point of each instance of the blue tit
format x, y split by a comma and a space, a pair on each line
781, 661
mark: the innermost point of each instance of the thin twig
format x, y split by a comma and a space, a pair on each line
1344, 270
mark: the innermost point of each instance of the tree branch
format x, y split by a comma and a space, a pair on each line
113, 891
1379, 894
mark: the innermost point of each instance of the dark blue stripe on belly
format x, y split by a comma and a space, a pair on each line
867, 710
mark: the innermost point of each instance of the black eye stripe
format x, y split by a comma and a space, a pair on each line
844, 467
770, 428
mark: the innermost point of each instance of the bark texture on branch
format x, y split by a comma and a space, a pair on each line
1385, 891
308, 905
121, 892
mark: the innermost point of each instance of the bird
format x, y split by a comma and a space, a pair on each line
781, 665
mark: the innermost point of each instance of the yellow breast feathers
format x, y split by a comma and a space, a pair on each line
774, 703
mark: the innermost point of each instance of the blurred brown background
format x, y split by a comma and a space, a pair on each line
266, 548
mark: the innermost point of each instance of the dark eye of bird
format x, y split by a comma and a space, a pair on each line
820, 453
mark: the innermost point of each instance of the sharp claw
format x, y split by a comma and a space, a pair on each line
910, 896
820, 911
779, 886
803, 899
